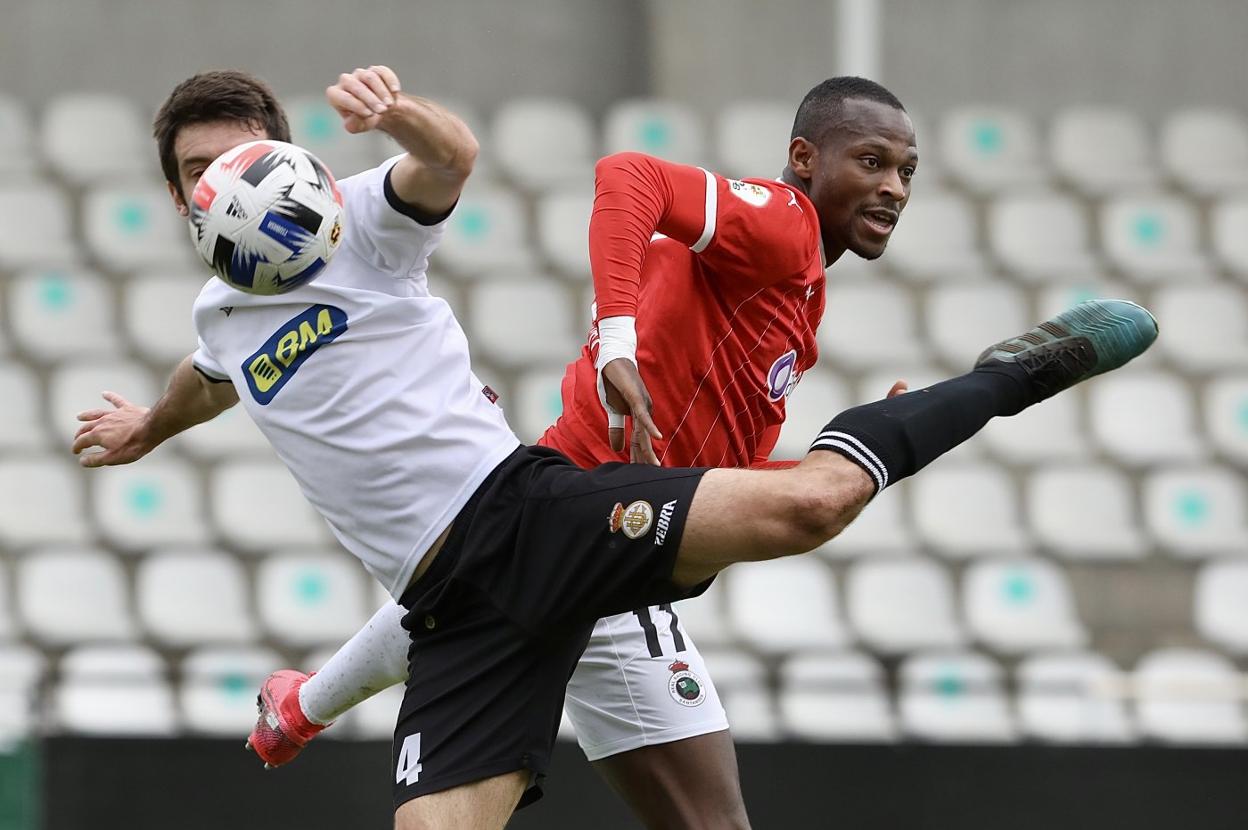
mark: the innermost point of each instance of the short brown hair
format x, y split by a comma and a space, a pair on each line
226, 95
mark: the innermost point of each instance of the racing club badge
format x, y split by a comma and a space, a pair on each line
638, 517
684, 686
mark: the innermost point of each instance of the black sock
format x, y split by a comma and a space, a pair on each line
895, 438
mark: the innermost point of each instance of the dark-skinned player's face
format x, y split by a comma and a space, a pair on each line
859, 177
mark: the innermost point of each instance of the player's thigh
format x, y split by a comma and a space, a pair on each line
487, 804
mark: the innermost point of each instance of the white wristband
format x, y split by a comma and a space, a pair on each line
617, 337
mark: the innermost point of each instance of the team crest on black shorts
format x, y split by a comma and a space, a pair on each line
638, 517
684, 686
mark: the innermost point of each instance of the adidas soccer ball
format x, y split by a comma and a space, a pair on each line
266, 216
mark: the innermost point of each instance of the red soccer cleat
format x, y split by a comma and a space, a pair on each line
282, 729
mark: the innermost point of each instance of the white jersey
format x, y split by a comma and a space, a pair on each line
362, 383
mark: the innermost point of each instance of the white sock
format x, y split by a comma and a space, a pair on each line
372, 660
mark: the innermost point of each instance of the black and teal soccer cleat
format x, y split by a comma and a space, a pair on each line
1082, 342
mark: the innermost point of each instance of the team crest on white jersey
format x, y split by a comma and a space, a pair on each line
752, 194
783, 376
684, 686
638, 517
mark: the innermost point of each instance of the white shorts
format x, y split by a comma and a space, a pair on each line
641, 681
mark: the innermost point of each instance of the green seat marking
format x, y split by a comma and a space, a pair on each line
987, 138
655, 134
144, 498
235, 684
949, 685
1148, 229
310, 587
318, 124
474, 222
55, 291
131, 216
1192, 507
1018, 587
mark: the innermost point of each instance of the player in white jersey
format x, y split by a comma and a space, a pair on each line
505, 568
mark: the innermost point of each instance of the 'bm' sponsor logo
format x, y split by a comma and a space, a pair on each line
665, 521
268, 370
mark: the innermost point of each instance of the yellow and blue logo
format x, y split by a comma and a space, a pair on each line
269, 368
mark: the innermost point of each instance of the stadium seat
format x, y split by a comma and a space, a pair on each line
158, 502
1153, 238
1072, 698
1206, 326
305, 598
1220, 612
374, 719
1189, 696
753, 138
705, 617
967, 509
17, 157
1019, 605
868, 324
487, 230
1196, 511
41, 501
73, 595
78, 386
21, 672
232, 433
218, 692
114, 690
809, 407
1098, 150
22, 424
880, 529
538, 403
57, 314
936, 239
954, 697
134, 226
156, 311
89, 138
1143, 417
1049, 431
542, 143
963, 320
563, 230
525, 321
786, 605
1226, 227
1084, 512
37, 229
1055, 297
7, 625
744, 691
875, 384
835, 697
189, 597
902, 604
257, 506
1220, 134
667, 129
1041, 236
986, 149
315, 126
1226, 415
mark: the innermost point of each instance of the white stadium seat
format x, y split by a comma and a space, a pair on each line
73, 595
1101, 149
89, 138
257, 505
1055, 297
190, 597
563, 229
936, 239
114, 690
1041, 236
743, 689
537, 404
753, 138
1220, 134
963, 320
667, 129
520, 322
37, 229
22, 424
156, 311
1072, 697
544, 142
79, 385
7, 625
1206, 326
487, 230
881, 528
375, 718
967, 509
1221, 615
1189, 696
808, 409
1230, 243
1225, 404
41, 501
705, 617
987, 148
315, 126
1049, 431
232, 433
954, 697
17, 156
57, 314
1084, 512
219, 686
835, 697
1141, 417
1018, 605
786, 605
134, 226
1196, 511
1153, 238
21, 671
868, 324
305, 599
158, 502
902, 604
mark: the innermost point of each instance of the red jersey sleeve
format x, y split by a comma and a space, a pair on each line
757, 230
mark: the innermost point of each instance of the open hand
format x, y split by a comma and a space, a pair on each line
121, 432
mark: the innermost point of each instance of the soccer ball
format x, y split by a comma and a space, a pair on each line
266, 216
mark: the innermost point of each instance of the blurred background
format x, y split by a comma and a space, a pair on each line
1057, 611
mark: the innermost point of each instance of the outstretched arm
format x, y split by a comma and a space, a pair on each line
127, 432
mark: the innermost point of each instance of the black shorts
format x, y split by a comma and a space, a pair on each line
541, 551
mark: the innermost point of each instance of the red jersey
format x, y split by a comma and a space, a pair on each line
727, 302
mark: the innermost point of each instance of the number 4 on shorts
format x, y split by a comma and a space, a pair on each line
409, 761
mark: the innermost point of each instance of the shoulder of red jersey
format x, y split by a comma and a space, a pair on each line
760, 223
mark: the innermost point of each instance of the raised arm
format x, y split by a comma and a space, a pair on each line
127, 432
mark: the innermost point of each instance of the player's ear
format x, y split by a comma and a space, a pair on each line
802, 154
178, 201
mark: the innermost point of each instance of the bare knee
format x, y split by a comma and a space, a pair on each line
828, 492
